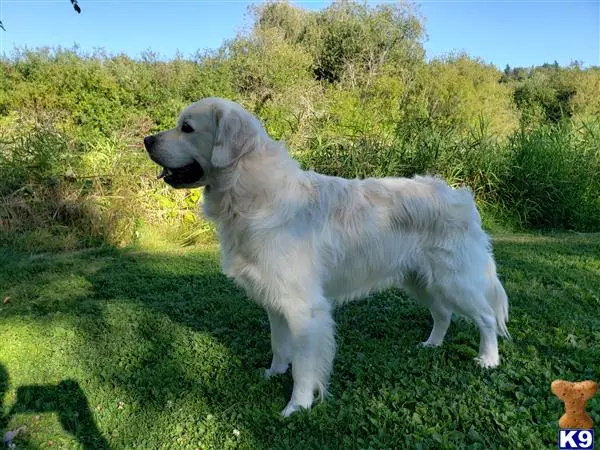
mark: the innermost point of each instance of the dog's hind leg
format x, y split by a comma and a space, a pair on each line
441, 321
281, 344
442, 316
313, 343
488, 341
473, 304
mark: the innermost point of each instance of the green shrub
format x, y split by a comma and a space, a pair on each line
347, 88
552, 177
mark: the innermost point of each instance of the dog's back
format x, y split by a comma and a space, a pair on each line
371, 233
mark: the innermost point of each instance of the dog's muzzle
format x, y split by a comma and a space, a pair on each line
177, 177
182, 176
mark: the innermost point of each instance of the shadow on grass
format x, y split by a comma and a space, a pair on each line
554, 290
166, 327
66, 399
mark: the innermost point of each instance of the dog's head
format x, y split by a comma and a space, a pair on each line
211, 134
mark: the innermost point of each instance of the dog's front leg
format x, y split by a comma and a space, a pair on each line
313, 344
281, 344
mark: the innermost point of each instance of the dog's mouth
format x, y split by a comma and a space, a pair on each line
186, 176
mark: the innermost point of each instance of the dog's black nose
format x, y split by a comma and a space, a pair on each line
149, 142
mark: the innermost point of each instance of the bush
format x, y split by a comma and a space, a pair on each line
552, 177
74, 172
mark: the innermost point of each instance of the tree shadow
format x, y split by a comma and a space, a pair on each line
66, 398
537, 269
155, 291
554, 288
157, 294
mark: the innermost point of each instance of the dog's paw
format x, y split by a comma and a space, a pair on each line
290, 409
268, 374
429, 344
487, 362
273, 372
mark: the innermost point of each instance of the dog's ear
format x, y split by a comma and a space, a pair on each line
233, 136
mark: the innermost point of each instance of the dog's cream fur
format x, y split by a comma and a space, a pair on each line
301, 243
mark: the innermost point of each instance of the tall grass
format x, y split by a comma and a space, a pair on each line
552, 179
73, 172
59, 193
542, 178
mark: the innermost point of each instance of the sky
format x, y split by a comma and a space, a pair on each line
520, 33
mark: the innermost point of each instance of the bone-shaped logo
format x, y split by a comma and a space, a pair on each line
574, 396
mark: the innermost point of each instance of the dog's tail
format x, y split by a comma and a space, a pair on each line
497, 298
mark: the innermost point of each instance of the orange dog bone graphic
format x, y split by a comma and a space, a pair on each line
574, 396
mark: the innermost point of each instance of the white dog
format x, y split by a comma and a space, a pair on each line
301, 243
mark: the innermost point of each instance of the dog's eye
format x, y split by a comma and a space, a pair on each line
187, 128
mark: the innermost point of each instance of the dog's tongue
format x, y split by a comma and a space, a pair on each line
162, 173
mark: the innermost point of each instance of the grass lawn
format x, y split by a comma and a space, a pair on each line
155, 348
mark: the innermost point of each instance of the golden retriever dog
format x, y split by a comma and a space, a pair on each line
301, 243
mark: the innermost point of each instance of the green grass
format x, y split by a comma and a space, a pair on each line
154, 348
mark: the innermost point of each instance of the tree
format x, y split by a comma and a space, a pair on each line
73, 2
76, 6
347, 40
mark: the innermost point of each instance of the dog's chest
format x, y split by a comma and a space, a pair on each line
241, 253
244, 269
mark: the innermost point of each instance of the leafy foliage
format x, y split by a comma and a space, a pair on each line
348, 89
